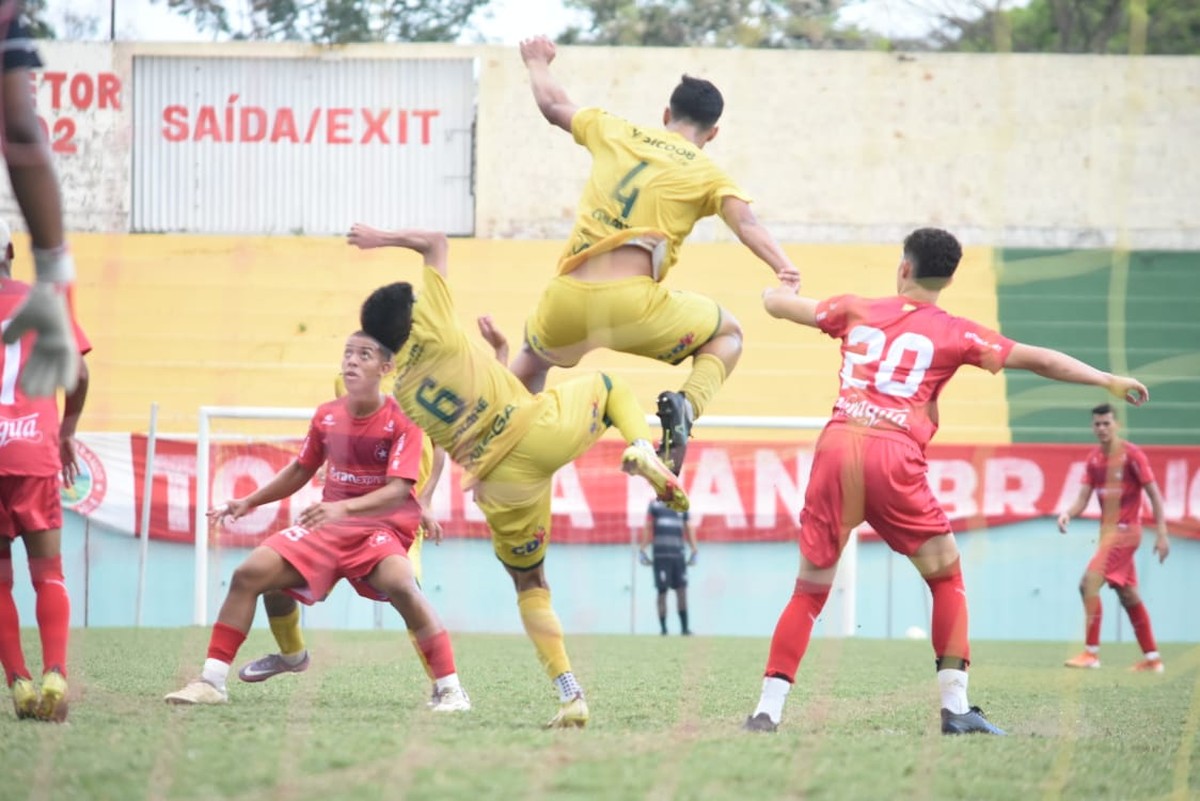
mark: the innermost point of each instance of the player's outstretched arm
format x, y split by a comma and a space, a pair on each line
740, 218
783, 302
432, 245
548, 93
285, 483
1058, 366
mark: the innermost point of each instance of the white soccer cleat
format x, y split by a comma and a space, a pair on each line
53, 361
198, 692
451, 699
643, 461
572, 714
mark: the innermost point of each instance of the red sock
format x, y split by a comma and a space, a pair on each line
224, 643
437, 654
11, 655
53, 611
794, 629
1140, 619
949, 630
1093, 611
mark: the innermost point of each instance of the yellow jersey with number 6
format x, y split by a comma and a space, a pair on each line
648, 187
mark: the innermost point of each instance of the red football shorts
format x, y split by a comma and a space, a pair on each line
29, 503
866, 475
335, 552
1114, 558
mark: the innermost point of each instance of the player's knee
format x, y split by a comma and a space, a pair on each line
43, 570
249, 577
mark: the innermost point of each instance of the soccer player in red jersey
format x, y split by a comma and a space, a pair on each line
898, 353
359, 531
53, 359
35, 449
1118, 472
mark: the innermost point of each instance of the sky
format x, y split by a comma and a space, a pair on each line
502, 22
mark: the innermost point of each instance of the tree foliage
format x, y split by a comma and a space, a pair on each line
331, 21
713, 23
33, 14
1152, 27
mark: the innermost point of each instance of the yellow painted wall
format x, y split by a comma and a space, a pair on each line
192, 320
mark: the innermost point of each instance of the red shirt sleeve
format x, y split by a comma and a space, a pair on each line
981, 346
833, 315
405, 459
312, 450
1140, 466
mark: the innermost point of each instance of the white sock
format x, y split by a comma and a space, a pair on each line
54, 266
447, 682
1094, 650
215, 672
953, 684
774, 692
567, 686
1152, 654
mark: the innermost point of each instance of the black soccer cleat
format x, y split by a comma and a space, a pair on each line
760, 723
970, 722
676, 426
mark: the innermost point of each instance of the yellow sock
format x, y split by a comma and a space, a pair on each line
708, 374
287, 632
421, 655
623, 410
414, 554
544, 628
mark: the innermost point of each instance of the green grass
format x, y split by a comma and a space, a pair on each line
861, 724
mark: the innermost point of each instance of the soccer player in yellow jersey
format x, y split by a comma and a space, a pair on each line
508, 441
648, 187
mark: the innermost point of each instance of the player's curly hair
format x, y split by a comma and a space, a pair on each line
697, 100
934, 255
386, 315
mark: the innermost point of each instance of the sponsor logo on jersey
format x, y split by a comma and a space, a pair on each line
329, 420
357, 479
971, 335
20, 429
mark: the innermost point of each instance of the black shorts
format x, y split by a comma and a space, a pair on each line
19, 49
670, 574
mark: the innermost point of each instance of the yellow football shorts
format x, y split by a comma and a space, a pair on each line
515, 495
633, 315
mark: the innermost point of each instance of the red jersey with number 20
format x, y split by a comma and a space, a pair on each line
897, 354
28, 426
364, 453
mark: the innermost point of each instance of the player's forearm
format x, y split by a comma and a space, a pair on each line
790, 306
548, 93
387, 498
763, 245
1057, 366
1160, 515
285, 483
73, 406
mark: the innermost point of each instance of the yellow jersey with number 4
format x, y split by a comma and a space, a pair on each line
648, 187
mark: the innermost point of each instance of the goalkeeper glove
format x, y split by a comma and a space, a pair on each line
54, 360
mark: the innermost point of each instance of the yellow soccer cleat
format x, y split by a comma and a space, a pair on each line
572, 714
24, 698
644, 462
53, 704
198, 692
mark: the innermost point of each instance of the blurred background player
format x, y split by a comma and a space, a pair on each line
898, 353
509, 442
667, 530
37, 456
648, 187
359, 531
1118, 472
53, 360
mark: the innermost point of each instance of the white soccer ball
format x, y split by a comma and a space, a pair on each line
915, 633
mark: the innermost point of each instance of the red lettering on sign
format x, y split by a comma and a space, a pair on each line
56, 81
375, 126
426, 115
175, 123
336, 123
82, 90
206, 125
107, 94
249, 124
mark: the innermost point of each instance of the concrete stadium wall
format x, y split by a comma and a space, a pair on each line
187, 321
1014, 150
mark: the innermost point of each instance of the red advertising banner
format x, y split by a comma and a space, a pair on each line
740, 491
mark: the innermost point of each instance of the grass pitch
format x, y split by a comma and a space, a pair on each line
861, 724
